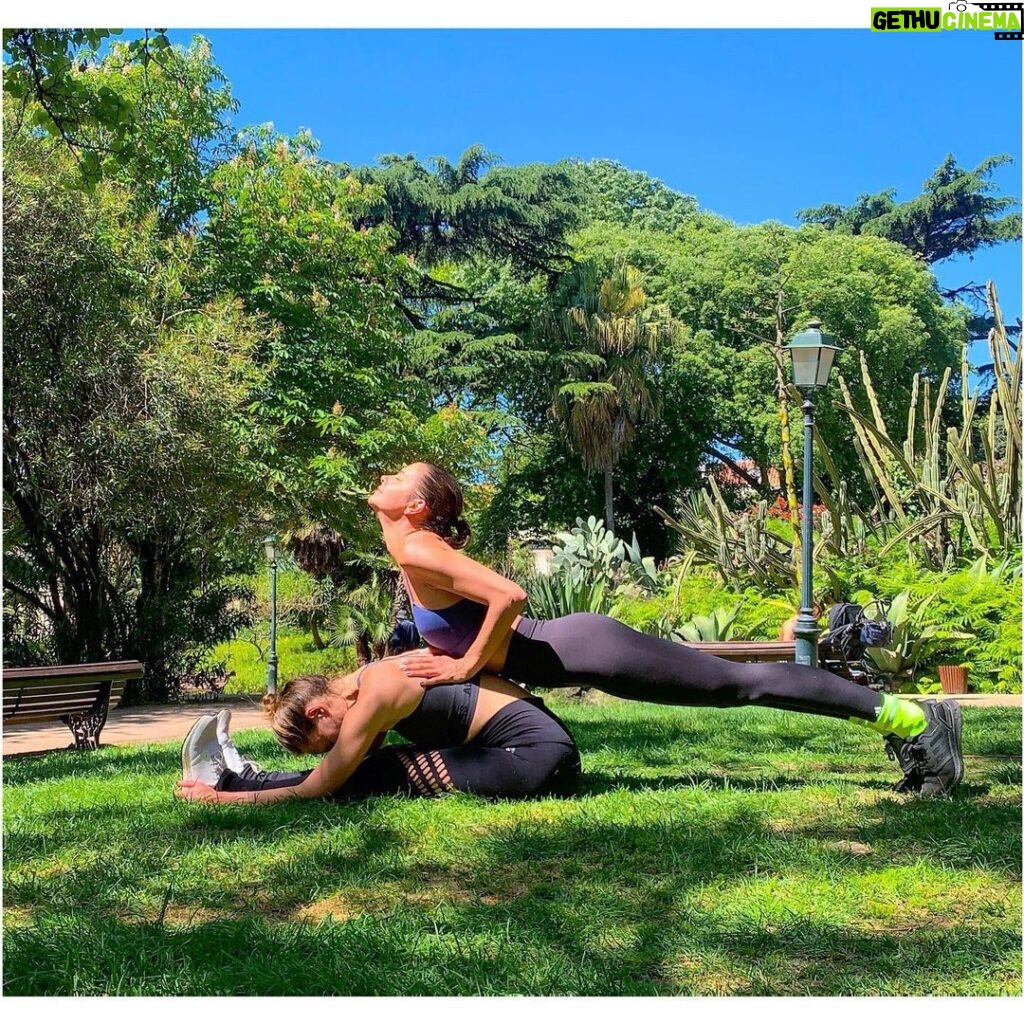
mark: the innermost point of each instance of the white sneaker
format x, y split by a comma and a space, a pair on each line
201, 755
232, 758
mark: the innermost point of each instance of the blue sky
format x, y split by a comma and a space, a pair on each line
755, 123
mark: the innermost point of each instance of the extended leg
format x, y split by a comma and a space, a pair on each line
594, 650
415, 771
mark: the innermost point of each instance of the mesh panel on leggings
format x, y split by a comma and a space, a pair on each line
427, 772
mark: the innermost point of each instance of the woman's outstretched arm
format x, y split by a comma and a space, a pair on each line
387, 696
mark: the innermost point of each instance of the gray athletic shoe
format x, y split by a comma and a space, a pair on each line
898, 749
232, 758
932, 761
201, 756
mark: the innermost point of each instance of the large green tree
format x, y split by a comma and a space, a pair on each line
723, 282
615, 194
473, 208
46, 76
955, 215
124, 430
610, 337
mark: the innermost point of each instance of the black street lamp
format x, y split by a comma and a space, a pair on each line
812, 353
270, 547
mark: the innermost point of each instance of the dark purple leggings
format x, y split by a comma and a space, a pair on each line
595, 650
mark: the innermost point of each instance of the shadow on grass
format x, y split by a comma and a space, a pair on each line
540, 948
594, 782
150, 760
989, 732
297, 850
729, 736
463, 896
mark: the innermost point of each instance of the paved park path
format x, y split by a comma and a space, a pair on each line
165, 723
151, 723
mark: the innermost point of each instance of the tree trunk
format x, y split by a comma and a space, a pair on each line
363, 654
318, 642
609, 517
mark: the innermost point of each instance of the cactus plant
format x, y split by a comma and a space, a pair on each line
739, 545
940, 495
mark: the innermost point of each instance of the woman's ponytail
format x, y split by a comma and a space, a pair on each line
443, 497
271, 702
462, 533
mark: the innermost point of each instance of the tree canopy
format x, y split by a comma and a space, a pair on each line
956, 213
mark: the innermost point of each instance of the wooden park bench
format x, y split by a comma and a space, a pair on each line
860, 672
77, 695
748, 650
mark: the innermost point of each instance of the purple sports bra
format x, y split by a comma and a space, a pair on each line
452, 629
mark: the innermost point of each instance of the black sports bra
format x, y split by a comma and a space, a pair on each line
442, 718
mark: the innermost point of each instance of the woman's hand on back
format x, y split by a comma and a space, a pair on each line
431, 668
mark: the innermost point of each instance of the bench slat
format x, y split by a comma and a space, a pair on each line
35, 703
42, 677
60, 686
88, 670
752, 650
51, 711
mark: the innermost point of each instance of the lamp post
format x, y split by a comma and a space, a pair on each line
270, 547
812, 353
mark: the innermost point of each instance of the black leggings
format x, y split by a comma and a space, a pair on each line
523, 751
595, 650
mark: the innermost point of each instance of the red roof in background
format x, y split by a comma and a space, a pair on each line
728, 478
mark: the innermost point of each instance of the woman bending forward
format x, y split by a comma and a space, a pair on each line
482, 736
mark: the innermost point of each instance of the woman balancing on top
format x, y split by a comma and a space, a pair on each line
470, 617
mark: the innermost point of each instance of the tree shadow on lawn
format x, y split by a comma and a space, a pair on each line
599, 781
760, 731
317, 848
149, 760
507, 950
740, 735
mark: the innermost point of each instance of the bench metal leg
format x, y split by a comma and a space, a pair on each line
87, 725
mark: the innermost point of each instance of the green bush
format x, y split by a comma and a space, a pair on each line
987, 606
984, 604
759, 617
246, 657
884, 577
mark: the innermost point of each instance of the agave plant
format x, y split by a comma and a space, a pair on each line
914, 640
549, 597
589, 565
714, 628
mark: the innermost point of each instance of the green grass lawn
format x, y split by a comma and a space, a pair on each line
708, 852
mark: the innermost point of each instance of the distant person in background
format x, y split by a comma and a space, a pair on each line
787, 631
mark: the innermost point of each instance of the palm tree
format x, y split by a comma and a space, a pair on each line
367, 617
612, 336
320, 551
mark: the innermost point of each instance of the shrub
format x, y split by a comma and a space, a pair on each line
986, 605
246, 657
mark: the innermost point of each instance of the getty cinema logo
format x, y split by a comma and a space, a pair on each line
1005, 19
